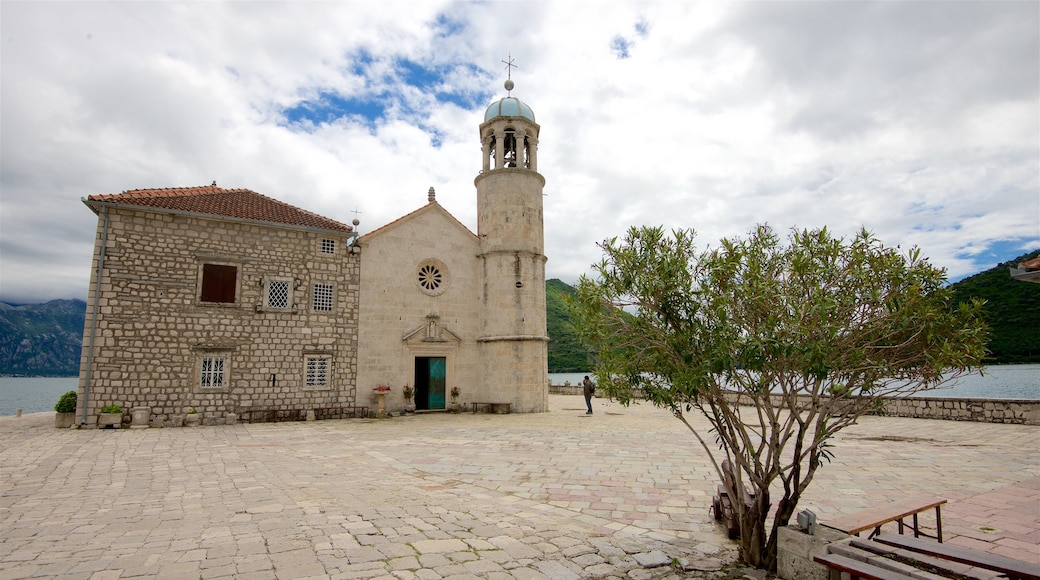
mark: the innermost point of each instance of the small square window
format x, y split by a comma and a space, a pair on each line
328, 246
317, 371
212, 372
219, 283
323, 297
278, 294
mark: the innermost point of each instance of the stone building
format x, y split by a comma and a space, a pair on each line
224, 301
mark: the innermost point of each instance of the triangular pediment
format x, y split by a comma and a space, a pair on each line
431, 331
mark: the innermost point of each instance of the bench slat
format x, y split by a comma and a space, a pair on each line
887, 513
1013, 568
858, 569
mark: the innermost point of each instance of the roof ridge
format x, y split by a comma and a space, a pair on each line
212, 200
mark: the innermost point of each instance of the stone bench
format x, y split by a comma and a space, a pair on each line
502, 408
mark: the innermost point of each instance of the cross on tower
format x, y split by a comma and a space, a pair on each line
509, 66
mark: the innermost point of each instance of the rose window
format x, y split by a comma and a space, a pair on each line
430, 277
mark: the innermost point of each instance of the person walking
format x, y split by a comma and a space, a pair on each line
587, 388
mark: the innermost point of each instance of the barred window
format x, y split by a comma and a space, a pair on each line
317, 371
278, 294
328, 246
212, 372
323, 297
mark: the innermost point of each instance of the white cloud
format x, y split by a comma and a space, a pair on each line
919, 121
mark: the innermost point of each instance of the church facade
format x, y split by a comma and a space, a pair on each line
232, 305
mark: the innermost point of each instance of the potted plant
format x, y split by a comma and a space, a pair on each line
111, 416
192, 419
455, 398
408, 393
65, 410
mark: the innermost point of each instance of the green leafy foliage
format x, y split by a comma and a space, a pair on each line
112, 409
66, 403
779, 344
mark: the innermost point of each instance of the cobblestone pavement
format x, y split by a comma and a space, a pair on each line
560, 495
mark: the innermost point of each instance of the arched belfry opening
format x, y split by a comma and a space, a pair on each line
510, 146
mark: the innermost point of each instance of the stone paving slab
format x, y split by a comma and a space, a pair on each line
424, 497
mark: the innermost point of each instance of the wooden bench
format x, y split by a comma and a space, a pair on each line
492, 407
856, 568
723, 504
1011, 567
880, 515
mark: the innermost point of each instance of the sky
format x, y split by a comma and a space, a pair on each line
919, 121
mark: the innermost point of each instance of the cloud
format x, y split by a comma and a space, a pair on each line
919, 121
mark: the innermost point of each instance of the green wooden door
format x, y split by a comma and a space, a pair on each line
429, 382
437, 376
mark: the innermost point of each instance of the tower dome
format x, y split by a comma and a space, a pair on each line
509, 107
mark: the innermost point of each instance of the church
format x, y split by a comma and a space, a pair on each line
234, 306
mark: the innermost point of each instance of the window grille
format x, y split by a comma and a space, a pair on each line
317, 371
212, 375
278, 294
328, 246
323, 295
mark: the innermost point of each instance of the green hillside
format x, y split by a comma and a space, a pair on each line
1012, 311
566, 354
41, 339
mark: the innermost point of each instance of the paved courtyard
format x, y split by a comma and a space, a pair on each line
556, 495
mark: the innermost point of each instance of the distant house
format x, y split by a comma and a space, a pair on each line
1028, 271
229, 302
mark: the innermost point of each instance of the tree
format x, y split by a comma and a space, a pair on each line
779, 346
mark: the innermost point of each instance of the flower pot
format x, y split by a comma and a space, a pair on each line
64, 420
113, 420
192, 420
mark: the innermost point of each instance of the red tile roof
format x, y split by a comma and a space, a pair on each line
1030, 265
215, 201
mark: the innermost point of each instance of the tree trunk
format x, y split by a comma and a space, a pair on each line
753, 545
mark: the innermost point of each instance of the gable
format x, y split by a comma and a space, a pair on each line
431, 216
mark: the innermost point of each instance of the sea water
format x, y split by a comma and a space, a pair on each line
37, 394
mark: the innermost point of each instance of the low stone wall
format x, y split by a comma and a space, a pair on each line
795, 550
1014, 411
564, 389
1017, 411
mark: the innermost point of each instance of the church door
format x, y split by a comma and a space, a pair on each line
429, 382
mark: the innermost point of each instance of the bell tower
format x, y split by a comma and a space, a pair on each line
513, 341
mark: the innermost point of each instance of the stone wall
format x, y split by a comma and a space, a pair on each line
795, 550
153, 330
1015, 411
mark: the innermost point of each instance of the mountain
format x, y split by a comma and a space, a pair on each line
566, 354
41, 339
1012, 310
